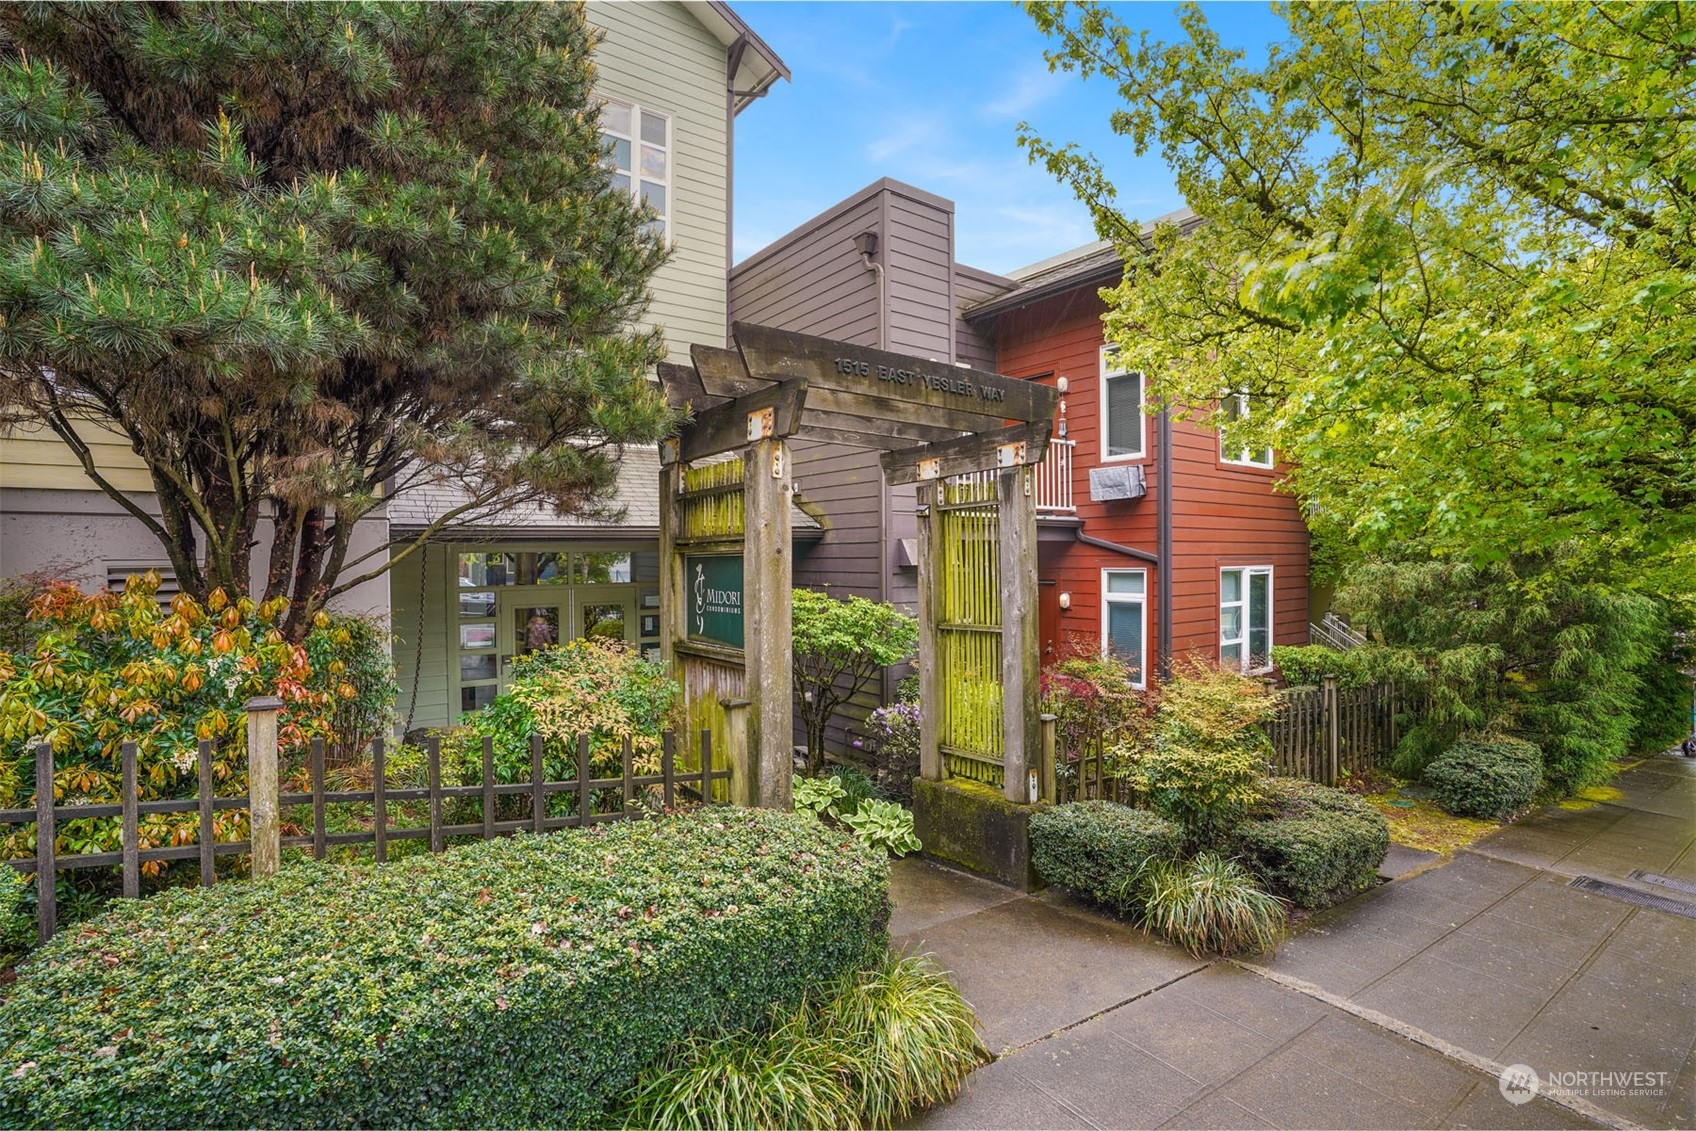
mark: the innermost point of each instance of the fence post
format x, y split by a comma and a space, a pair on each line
131, 834
1395, 725
1332, 735
379, 802
265, 829
320, 835
1049, 728
46, 869
208, 831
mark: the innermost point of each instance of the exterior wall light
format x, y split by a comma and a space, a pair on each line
1065, 600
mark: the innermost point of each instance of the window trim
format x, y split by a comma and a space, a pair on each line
1242, 459
1108, 599
1103, 424
1271, 620
637, 109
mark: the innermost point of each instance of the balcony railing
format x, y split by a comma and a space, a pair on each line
1054, 479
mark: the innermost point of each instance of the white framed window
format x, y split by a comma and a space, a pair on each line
1124, 619
1124, 425
638, 146
1245, 618
1234, 407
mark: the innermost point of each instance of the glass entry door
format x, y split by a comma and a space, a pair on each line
526, 621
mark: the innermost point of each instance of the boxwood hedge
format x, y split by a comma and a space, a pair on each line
1312, 844
1486, 776
516, 982
1098, 849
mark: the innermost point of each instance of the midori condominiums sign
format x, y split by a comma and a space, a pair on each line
714, 590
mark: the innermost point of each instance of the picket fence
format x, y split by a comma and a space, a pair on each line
594, 800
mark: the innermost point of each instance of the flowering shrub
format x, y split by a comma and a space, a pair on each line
594, 687
113, 668
892, 734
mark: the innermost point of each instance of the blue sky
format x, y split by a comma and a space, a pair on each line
932, 94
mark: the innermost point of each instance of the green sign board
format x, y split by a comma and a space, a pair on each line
713, 592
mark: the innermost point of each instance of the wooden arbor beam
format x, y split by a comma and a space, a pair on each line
1017, 445
733, 424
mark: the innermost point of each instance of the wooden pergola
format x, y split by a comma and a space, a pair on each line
724, 520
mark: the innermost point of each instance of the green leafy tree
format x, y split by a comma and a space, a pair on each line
304, 258
840, 647
1514, 647
1446, 250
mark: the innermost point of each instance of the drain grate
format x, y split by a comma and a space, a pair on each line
1633, 895
1661, 881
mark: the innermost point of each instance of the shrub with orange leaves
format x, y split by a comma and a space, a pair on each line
110, 668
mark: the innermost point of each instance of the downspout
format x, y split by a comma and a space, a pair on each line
1163, 545
867, 243
733, 63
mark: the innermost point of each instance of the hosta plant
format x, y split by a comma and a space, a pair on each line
886, 825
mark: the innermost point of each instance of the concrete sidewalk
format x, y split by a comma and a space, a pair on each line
1395, 1010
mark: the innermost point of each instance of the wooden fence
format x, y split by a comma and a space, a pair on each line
1319, 733
592, 801
1322, 733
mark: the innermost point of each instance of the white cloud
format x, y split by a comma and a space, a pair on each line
1030, 88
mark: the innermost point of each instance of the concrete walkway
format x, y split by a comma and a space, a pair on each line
1397, 1009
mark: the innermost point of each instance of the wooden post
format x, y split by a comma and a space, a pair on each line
266, 845
930, 661
627, 759
1395, 726
46, 868
208, 831
768, 621
379, 802
320, 834
671, 567
433, 770
1020, 639
583, 781
488, 787
744, 779
131, 831
1332, 737
668, 767
1050, 727
538, 795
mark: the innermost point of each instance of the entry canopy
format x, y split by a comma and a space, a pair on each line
930, 419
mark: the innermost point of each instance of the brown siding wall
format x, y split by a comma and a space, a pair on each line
1222, 515
813, 281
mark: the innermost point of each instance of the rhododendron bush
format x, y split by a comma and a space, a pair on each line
111, 668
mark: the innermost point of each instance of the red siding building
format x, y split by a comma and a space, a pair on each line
1179, 548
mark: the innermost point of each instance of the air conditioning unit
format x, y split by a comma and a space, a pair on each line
1107, 484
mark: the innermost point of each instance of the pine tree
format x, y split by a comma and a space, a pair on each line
306, 257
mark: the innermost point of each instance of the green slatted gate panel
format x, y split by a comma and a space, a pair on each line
968, 630
710, 519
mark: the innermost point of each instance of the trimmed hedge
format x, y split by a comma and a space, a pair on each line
1488, 777
1314, 845
1098, 849
516, 982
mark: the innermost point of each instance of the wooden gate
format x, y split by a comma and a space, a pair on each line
968, 629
